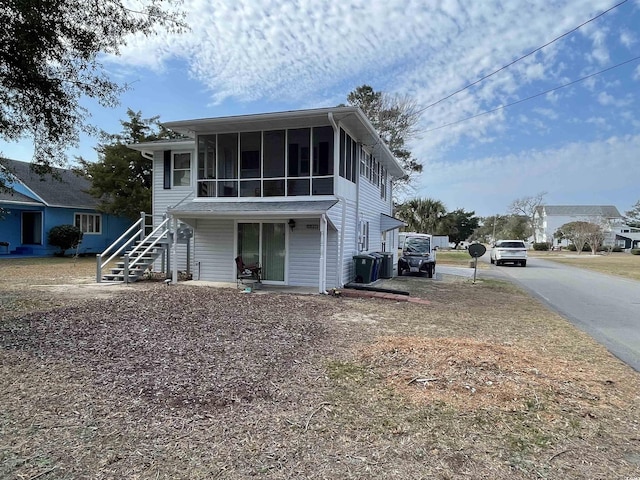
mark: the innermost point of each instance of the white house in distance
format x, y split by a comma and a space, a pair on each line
299, 192
548, 218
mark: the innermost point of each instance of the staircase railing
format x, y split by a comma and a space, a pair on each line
139, 232
127, 256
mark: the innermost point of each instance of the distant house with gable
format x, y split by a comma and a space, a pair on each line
548, 218
36, 203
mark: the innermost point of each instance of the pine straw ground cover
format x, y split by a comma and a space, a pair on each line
196, 382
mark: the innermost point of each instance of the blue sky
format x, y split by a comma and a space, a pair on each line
581, 144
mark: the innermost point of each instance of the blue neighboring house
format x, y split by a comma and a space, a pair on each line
38, 203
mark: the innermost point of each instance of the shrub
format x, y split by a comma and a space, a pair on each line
616, 249
64, 237
541, 246
635, 251
571, 247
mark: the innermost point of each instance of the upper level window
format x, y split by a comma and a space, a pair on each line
250, 143
383, 183
181, 169
322, 151
228, 155
348, 156
270, 163
299, 153
273, 152
90, 223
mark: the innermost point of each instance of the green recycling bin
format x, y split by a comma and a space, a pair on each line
364, 268
386, 269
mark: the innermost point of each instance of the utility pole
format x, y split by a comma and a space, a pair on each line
493, 237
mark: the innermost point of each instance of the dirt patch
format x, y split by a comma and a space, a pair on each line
199, 383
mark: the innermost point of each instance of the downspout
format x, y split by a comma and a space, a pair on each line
343, 201
322, 287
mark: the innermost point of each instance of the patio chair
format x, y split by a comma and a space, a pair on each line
247, 272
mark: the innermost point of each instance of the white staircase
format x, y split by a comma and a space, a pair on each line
135, 251
135, 262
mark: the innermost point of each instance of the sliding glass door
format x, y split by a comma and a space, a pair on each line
264, 243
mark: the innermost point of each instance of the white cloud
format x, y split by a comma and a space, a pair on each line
628, 38
600, 122
590, 173
312, 52
547, 112
609, 100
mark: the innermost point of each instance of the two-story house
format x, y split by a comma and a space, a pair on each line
548, 218
299, 192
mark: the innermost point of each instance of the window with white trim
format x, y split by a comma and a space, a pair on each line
182, 169
363, 240
89, 223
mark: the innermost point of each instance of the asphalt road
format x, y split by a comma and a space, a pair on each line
604, 306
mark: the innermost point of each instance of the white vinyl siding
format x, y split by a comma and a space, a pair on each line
332, 259
162, 199
350, 239
370, 208
304, 253
215, 247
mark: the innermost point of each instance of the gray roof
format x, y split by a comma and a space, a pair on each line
608, 211
290, 208
17, 197
630, 236
388, 222
351, 117
68, 190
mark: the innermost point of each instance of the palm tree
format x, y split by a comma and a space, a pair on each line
421, 214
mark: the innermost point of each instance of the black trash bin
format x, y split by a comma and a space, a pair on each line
364, 268
386, 268
377, 266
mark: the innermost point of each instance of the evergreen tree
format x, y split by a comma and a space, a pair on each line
633, 215
121, 178
395, 119
459, 225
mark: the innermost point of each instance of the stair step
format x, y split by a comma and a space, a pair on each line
143, 261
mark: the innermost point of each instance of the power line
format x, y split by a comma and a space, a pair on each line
521, 58
501, 107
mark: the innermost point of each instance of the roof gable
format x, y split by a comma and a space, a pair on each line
607, 211
68, 190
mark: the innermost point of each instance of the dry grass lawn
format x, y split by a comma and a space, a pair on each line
158, 382
620, 264
456, 258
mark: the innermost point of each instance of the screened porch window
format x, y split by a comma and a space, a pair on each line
270, 163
